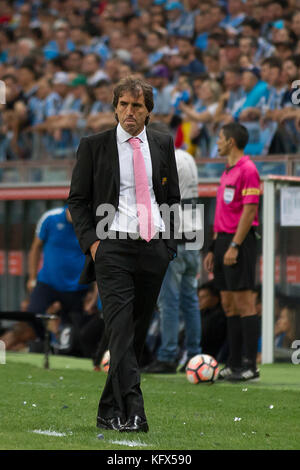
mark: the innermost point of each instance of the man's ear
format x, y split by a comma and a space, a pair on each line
116, 117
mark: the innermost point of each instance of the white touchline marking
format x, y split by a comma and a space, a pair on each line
49, 433
129, 443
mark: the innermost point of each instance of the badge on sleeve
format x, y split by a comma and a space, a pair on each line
228, 195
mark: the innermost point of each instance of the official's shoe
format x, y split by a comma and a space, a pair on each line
135, 424
224, 373
113, 424
160, 367
245, 375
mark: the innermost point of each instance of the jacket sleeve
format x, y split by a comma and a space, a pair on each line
80, 200
173, 198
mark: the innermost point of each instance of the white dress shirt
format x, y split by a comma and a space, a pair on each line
126, 218
190, 218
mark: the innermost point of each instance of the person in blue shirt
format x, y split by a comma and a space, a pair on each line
179, 21
236, 14
63, 261
254, 89
189, 62
61, 45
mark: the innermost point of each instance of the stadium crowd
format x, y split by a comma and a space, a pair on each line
209, 62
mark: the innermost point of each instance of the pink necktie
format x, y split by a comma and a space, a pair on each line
147, 228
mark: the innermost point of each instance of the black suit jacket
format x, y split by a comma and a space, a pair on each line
96, 181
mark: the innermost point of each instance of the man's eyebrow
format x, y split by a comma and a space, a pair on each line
135, 103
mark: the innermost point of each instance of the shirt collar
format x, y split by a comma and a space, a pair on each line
123, 136
240, 162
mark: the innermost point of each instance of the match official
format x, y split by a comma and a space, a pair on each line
232, 254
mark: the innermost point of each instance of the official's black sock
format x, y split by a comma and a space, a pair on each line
235, 341
250, 329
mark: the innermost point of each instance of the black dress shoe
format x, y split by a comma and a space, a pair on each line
109, 423
135, 424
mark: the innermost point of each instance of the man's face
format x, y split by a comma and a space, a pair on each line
152, 42
184, 48
89, 64
206, 299
245, 46
132, 112
103, 94
224, 145
235, 7
172, 15
248, 81
295, 26
290, 69
232, 80
274, 76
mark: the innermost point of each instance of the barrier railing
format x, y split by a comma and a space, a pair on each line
51, 170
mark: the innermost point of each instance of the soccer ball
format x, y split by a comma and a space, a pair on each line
202, 368
105, 361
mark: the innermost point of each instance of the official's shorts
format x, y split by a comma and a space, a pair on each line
240, 276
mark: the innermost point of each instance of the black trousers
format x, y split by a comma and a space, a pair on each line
129, 275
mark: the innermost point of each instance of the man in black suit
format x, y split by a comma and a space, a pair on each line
128, 243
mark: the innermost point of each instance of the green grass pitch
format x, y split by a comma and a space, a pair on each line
56, 409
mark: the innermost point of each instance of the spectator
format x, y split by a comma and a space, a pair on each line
159, 79
101, 115
205, 24
24, 49
58, 278
155, 46
27, 81
140, 59
73, 61
61, 45
232, 52
254, 89
73, 113
190, 64
179, 22
251, 28
209, 95
213, 322
36, 104
6, 38
248, 47
91, 68
285, 328
295, 24
269, 108
230, 99
181, 93
22, 334
57, 141
212, 64
235, 16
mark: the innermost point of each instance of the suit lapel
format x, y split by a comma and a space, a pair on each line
154, 148
111, 150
